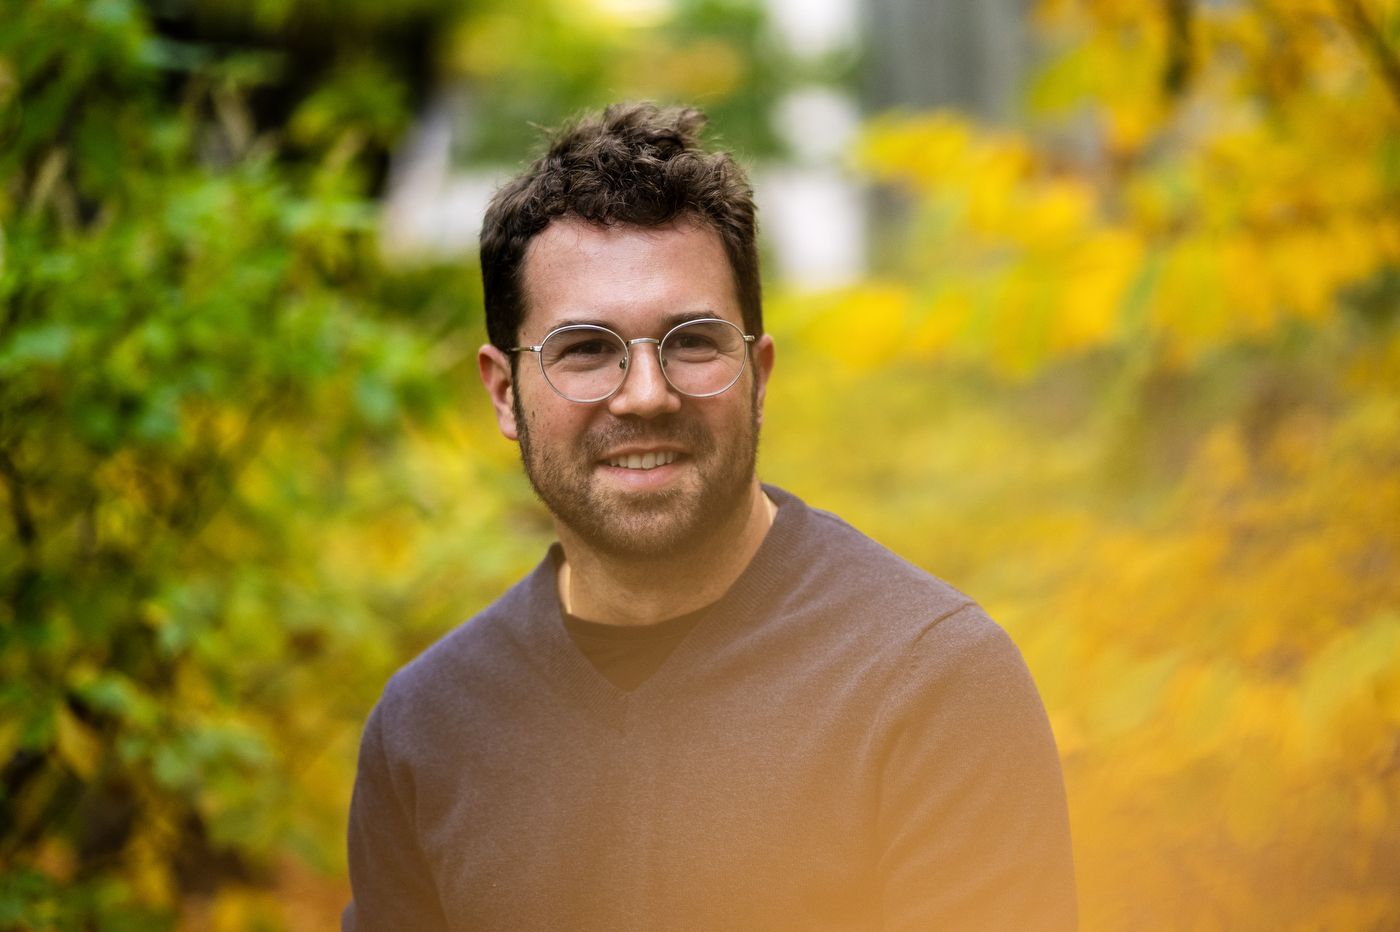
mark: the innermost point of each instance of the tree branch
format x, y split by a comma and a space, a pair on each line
1367, 34
1177, 74
19, 504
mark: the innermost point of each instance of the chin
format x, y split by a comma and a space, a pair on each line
651, 526
650, 537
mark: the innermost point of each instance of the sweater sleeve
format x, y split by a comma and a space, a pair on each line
392, 886
973, 823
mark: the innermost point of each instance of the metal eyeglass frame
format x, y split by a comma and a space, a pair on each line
627, 357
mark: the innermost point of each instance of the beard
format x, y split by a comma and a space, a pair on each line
643, 526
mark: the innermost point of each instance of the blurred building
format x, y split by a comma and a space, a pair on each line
820, 222
817, 220
433, 207
811, 209
967, 54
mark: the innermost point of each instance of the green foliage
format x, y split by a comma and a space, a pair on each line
196, 343
533, 65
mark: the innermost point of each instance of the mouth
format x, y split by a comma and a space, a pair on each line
643, 461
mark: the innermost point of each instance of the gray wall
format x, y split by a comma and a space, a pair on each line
966, 54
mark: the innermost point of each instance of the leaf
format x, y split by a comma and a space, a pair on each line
1345, 671
78, 745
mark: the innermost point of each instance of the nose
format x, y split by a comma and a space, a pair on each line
645, 392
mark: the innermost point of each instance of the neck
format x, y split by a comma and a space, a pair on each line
642, 592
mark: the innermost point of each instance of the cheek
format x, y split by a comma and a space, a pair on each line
550, 420
534, 403
729, 422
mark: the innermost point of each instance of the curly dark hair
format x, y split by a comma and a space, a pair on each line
632, 164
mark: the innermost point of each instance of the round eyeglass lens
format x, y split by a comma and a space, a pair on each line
584, 363
703, 357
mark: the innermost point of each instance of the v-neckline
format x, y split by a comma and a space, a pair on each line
576, 679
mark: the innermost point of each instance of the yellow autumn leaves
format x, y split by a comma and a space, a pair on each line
1185, 502
1215, 219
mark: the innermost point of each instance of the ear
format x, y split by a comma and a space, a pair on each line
494, 366
762, 356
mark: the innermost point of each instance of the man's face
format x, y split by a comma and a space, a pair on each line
637, 282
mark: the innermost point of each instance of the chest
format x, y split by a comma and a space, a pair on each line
698, 810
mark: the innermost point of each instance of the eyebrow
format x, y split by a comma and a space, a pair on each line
667, 322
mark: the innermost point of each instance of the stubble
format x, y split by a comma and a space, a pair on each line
643, 526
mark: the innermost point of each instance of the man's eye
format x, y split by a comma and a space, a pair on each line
693, 342
588, 348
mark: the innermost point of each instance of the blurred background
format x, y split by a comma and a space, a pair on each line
1086, 306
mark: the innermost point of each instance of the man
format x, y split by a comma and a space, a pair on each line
710, 707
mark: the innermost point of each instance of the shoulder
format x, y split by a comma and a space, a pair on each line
479, 657
843, 601
835, 569
932, 662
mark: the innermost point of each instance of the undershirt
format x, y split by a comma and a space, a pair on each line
627, 655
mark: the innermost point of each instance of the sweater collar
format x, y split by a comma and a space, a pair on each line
752, 597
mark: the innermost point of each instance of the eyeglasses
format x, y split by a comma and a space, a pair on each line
699, 358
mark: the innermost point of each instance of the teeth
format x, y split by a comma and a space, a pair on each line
644, 461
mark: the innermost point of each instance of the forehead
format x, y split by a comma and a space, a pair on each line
629, 278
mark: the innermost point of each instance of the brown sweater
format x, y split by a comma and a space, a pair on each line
842, 743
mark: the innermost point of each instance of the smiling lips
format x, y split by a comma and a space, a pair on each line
644, 460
